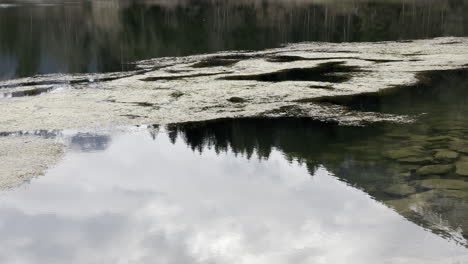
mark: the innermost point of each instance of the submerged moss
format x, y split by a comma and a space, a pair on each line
179, 77
237, 100
177, 94
333, 72
215, 62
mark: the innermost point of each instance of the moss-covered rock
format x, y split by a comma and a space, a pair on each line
404, 153
459, 145
449, 184
446, 155
462, 166
438, 138
459, 194
410, 155
434, 170
416, 160
408, 167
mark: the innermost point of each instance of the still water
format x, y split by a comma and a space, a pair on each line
283, 190
257, 190
151, 198
38, 37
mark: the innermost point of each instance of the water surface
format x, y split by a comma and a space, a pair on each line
133, 202
256, 190
38, 37
288, 190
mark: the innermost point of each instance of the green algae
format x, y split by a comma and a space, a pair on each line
462, 166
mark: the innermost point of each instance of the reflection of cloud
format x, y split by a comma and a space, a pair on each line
145, 201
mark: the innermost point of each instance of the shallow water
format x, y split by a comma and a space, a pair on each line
420, 169
38, 37
255, 190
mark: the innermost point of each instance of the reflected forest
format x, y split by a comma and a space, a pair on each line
74, 37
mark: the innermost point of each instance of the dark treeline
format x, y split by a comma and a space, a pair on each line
94, 36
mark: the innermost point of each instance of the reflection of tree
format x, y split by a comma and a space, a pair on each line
90, 142
358, 156
305, 140
105, 35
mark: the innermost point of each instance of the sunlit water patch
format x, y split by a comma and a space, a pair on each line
130, 200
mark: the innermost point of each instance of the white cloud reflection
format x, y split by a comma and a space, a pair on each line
145, 201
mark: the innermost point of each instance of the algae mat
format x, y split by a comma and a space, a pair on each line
276, 82
271, 83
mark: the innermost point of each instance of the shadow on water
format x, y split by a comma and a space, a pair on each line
326, 72
31, 92
436, 91
420, 169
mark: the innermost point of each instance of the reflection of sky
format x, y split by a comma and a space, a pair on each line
144, 201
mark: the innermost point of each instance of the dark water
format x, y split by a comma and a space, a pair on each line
38, 37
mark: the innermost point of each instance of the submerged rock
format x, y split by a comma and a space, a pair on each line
441, 210
417, 160
400, 190
450, 184
446, 155
434, 170
438, 138
459, 145
459, 194
412, 202
462, 166
413, 152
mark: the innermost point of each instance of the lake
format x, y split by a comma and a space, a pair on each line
282, 187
